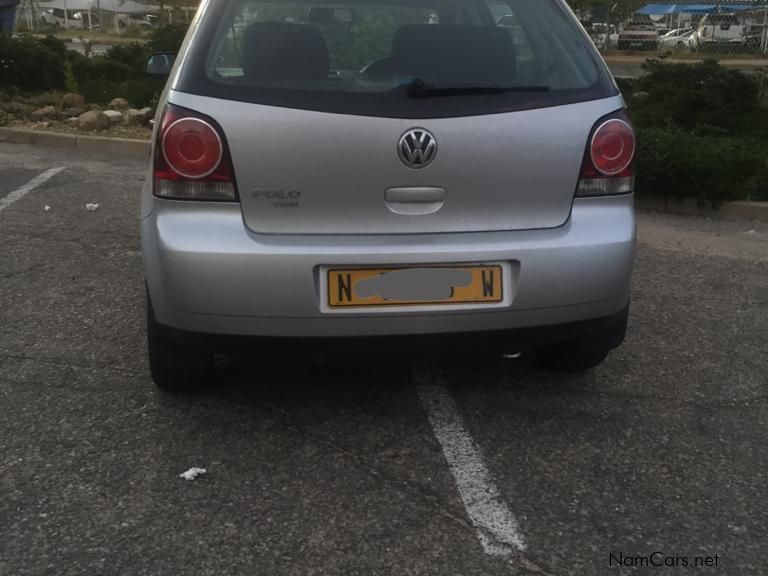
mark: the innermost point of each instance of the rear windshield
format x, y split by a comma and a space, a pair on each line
394, 58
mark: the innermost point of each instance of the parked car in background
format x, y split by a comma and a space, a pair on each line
74, 20
639, 36
125, 21
89, 20
60, 19
600, 33
721, 32
678, 39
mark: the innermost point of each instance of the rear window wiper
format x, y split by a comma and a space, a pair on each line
418, 88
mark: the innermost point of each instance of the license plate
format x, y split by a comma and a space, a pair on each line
349, 288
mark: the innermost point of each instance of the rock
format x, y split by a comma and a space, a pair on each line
93, 120
44, 112
72, 121
142, 116
119, 103
75, 111
114, 116
94, 107
73, 101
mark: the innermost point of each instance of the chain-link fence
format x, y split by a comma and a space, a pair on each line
683, 30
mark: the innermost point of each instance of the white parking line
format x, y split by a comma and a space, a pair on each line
28, 187
497, 528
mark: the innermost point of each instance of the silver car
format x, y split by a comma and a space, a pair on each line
367, 171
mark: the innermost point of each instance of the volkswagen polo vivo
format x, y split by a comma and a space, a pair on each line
387, 168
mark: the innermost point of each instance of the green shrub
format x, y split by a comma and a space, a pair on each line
139, 92
54, 44
70, 82
702, 97
99, 68
133, 55
8, 93
16, 109
142, 92
134, 31
46, 99
702, 132
98, 91
674, 163
626, 85
167, 38
31, 64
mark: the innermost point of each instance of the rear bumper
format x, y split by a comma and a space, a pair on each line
599, 333
208, 273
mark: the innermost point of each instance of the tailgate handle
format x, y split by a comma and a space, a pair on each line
415, 200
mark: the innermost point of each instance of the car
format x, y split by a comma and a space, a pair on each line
638, 36
127, 21
70, 20
89, 20
412, 182
723, 31
61, 19
600, 33
677, 39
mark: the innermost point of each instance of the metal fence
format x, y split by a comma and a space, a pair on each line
685, 31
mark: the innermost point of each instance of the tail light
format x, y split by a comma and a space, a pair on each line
192, 161
608, 165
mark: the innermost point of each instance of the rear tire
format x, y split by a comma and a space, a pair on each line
587, 351
570, 357
175, 362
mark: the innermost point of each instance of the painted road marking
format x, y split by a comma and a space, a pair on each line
19, 193
497, 528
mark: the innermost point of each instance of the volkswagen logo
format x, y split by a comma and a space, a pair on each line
417, 148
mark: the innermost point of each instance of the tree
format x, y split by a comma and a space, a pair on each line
613, 10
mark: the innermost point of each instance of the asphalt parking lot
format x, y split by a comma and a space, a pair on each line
447, 468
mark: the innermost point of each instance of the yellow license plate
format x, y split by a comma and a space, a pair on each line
414, 286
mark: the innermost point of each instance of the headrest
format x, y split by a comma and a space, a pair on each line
455, 54
283, 51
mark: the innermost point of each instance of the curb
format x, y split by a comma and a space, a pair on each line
739, 210
75, 141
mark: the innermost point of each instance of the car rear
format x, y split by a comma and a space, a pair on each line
720, 30
640, 36
357, 169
